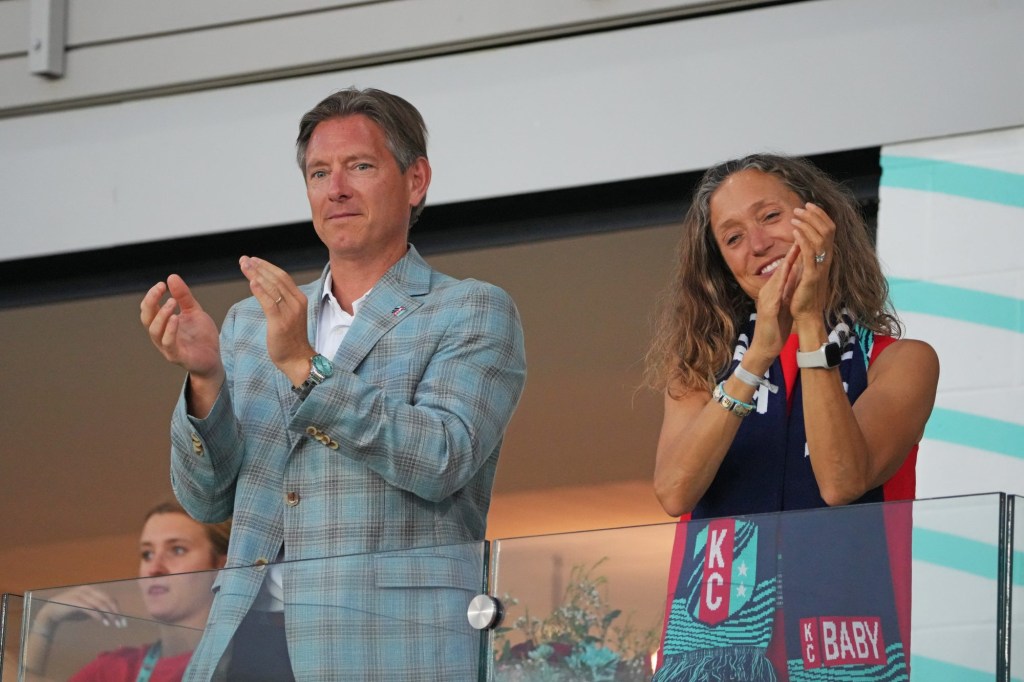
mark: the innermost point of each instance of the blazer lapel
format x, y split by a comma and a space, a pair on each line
394, 298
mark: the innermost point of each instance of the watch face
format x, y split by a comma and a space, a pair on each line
323, 365
833, 354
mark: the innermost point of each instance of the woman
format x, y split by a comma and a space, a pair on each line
778, 396
775, 259
171, 543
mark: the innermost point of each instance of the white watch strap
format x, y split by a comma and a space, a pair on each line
819, 358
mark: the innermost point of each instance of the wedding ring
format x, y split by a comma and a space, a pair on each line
281, 298
819, 258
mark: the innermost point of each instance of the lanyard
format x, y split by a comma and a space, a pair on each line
149, 662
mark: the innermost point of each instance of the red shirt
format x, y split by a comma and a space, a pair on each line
123, 665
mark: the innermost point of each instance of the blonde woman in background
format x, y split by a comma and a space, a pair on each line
171, 543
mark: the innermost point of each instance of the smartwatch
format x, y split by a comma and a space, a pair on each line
826, 357
319, 369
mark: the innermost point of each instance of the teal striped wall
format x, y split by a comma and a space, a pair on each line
1003, 312
955, 179
976, 307
965, 305
957, 303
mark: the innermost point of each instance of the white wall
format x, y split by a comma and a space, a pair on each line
950, 224
118, 49
949, 231
802, 78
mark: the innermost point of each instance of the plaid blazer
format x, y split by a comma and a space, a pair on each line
396, 450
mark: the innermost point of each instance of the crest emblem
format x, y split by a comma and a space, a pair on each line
727, 551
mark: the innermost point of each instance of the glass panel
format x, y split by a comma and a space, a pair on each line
819, 593
956, 545
586, 606
1016, 605
11, 613
402, 613
822, 594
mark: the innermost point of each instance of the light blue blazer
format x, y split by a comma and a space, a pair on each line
396, 450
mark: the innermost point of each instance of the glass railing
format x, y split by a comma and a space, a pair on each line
1015, 597
12, 607
404, 612
581, 606
958, 602
920, 591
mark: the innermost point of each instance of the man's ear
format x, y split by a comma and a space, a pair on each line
418, 177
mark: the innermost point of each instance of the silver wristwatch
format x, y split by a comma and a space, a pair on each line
319, 369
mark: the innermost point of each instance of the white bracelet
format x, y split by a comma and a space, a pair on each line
751, 379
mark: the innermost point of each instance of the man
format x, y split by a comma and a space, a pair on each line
322, 447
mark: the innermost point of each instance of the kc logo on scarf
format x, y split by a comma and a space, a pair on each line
729, 577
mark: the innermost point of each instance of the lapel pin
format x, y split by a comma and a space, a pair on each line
395, 312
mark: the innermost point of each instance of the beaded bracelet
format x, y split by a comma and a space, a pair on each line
737, 407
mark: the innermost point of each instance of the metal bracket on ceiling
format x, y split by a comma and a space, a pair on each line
47, 37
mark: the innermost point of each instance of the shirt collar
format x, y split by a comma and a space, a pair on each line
327, 295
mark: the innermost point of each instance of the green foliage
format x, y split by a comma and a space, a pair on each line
582, 639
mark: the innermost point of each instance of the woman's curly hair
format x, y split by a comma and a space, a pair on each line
704, 306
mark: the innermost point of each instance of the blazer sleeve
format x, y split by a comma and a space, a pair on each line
472, 355
207, 454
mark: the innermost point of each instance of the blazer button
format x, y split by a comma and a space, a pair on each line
333, 445
311, 430
260, 564
292, 498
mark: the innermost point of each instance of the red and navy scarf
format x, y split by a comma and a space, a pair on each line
808, 596
817, 595
767, 467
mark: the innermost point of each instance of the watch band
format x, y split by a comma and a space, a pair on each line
319, 369
826, 357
